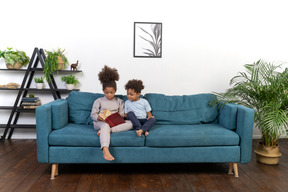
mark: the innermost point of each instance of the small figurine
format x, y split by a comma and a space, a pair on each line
74, 66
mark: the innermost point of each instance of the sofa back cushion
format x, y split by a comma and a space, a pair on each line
181, 110
80, 105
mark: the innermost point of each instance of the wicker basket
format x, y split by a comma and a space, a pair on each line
267, 155
15, 66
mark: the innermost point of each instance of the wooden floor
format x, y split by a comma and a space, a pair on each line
20, 171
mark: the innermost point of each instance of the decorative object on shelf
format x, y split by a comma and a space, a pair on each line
39, 82
264, 89
70, 81
30, 102
74, 66
10, 86
55, 60
147, 39
14, 59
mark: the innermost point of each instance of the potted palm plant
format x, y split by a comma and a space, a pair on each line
264, 89
55, 60
14, 59
39, 82
70, 81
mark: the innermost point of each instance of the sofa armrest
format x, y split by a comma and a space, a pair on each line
241, 119
46, 121
245, 124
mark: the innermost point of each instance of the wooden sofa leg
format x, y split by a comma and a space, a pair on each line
57, 172
235, 167
230, 168
53, 171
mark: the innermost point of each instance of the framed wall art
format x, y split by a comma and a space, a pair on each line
147, 39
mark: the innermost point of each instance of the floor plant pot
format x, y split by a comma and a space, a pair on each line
69, 86
15, 66
267, 155
39, 85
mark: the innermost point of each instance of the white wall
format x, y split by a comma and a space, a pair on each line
205, 43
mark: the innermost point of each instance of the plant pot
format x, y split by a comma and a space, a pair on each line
39, 85
60, 63
15, 66
69, 86
267, 155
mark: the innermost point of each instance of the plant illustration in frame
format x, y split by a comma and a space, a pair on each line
148, 39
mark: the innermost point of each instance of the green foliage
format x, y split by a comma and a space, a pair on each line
11, 57
39, 80
71, 79
263, 89
52, 64
31, 95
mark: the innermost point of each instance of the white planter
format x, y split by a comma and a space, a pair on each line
39, 85
69, 86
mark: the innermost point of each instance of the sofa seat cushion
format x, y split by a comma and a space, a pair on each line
86, 136
191, 135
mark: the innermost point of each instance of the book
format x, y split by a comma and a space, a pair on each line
112, 119
30, 99
29, 107
31, 103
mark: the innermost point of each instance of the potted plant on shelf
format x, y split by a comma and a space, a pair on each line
70, 81
55, 60
14, 59
265, 90
39, 82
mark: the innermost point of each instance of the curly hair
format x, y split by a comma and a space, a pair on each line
108, 76
134, 84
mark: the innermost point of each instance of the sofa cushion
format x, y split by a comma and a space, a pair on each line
182, 110
191, 135
86, 136
80, 105
228, 115
59, 113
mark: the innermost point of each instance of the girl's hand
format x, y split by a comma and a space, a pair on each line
100, 118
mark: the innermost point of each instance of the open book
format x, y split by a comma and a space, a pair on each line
112, 119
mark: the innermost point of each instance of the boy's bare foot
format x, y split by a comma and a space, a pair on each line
99, 132
107, 155
146, 133
139, 132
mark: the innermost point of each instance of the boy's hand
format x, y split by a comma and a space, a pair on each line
150, 117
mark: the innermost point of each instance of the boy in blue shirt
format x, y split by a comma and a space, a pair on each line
138, 110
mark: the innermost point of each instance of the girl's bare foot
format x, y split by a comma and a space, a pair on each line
107, 155
146, 133
99, 132
139, 132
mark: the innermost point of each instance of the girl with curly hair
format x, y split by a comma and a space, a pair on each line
108, 77
138, 110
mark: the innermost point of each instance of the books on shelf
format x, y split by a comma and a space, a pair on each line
112, 119
30, 103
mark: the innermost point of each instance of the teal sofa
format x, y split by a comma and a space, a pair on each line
188, 130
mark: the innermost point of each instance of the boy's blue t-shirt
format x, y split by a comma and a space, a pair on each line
140, 108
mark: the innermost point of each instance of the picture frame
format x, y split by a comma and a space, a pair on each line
147, 39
